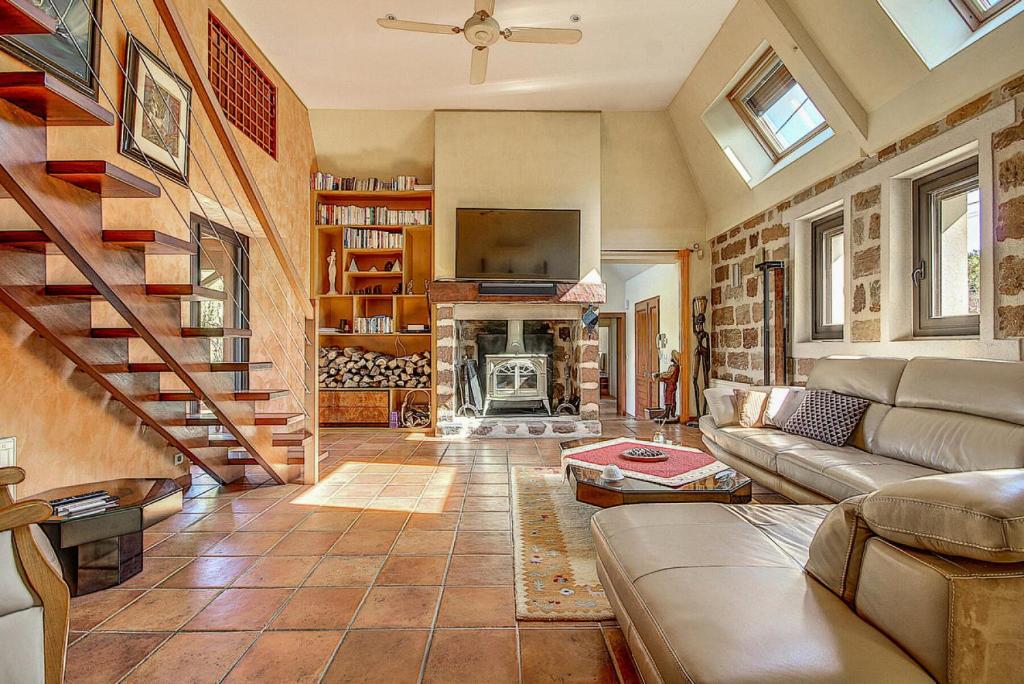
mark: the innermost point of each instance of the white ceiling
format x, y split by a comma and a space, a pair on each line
633, 56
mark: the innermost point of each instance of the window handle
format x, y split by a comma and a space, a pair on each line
918, 274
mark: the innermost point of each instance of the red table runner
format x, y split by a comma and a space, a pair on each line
684, 464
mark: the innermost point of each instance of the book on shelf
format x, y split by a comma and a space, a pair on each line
416, 328
328, 181
349, 215
374, 325
368, 238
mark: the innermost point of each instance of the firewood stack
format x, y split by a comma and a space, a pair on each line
354, 367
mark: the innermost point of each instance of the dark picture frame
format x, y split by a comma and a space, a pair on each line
56, 54
161, 137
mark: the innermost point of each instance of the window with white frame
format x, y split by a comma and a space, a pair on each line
947, 251
828, 267
775, 107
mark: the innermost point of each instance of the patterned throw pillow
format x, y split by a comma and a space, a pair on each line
750, 407
827, 416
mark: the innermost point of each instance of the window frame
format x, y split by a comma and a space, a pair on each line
821, 230
202, 227
764, 65
953, 179
975, 17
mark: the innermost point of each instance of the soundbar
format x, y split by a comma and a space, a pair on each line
498, 287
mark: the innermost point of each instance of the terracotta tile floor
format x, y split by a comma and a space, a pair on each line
396, 568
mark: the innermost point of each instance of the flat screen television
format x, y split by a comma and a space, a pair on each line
517, 244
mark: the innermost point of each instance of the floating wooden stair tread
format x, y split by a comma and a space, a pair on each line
118, 333
76, 290
216, 332
148, 241
215, 367
281, 439
185, 292
29, 240
277, 419
103, 178
242, 395
240, 457
20, 17
52, 100
259, 395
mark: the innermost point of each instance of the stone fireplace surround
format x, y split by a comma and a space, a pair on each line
452, 316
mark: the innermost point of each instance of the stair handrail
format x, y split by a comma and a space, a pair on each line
186, 51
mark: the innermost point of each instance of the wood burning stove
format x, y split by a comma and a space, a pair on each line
516, 376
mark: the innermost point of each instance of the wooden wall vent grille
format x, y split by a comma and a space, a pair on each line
248, 96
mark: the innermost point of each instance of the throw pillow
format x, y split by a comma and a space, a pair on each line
721, 405
782, 404
827, 416
750, 407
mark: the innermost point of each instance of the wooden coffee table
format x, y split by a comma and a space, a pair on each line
590, 488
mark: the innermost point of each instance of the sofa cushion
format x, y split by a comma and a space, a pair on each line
721, 405
842, 473
977, 515
21, 634
758, 445
990, 389
948, 441
827, 416
732, 607
876, 379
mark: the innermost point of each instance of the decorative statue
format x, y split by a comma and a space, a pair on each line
332, 271
669, 380
701, 356
408, 288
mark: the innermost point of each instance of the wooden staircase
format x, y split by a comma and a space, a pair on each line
64, 198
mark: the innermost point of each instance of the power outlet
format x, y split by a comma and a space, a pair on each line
179, 458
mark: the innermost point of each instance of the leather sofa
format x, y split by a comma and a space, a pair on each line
927, 416
922, 580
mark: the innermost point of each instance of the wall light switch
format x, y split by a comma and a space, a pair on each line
179, 458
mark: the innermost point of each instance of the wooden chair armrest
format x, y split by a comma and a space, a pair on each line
11, 475
24, 513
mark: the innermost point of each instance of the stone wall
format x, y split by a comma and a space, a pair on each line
866, 240
1008, 158
736, 311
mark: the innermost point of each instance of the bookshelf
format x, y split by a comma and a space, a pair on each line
388, 284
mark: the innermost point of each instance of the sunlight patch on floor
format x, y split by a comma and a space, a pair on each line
363, 485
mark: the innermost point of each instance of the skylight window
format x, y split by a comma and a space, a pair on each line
977, 12
775, 107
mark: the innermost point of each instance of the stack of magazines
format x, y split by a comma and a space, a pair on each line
83, 504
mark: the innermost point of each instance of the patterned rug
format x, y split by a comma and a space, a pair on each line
555, 560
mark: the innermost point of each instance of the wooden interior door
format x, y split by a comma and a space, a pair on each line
646, 329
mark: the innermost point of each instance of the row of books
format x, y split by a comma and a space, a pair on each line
328, 181
83, 504
374, 325
367, 238
347, 215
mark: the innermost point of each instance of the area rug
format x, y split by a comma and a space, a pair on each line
683, 465
555, 560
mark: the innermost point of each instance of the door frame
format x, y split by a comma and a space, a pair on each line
682, 258
619, 318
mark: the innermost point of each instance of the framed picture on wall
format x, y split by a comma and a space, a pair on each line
72, 54
156, 112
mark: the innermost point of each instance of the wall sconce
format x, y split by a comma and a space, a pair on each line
697, 249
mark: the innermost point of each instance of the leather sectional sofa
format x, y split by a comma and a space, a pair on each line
927, 416
922, 579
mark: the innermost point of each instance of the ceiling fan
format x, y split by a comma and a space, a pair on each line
482, 31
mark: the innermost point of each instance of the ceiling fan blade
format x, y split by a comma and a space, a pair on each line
419, 26
484, 6
478, 66
519, 34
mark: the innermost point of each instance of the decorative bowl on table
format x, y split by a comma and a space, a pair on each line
644, 455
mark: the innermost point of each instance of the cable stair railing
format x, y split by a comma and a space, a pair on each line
113, 264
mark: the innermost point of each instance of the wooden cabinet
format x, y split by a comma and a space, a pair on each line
354, 407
